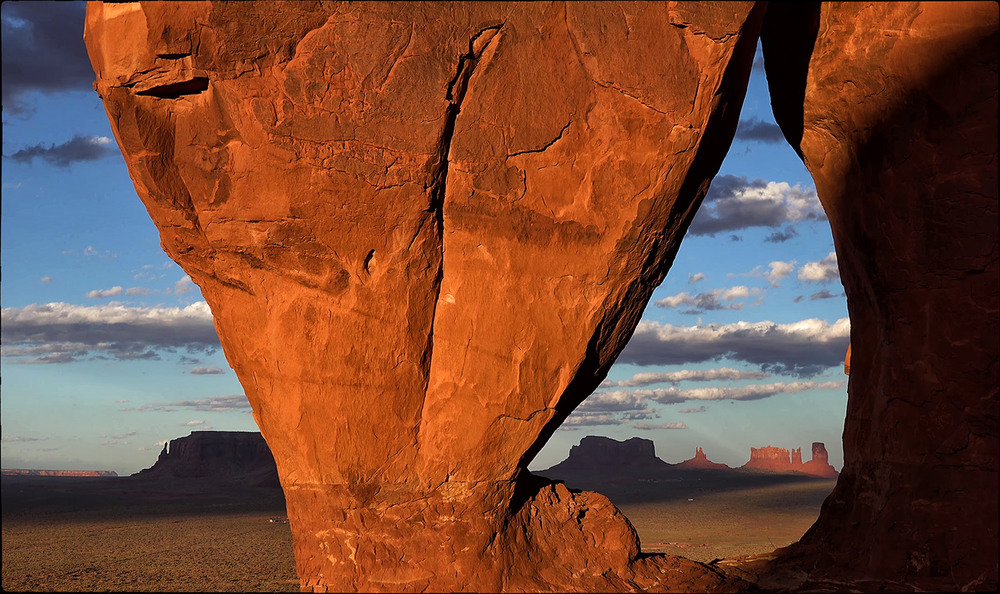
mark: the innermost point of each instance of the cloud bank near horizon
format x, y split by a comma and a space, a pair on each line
66, 333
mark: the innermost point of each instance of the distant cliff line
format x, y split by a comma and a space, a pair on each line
68, 473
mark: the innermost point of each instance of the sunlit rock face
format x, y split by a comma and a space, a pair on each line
425, 232
894, 108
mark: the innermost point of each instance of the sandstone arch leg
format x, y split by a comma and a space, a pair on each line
425, 232
898, 128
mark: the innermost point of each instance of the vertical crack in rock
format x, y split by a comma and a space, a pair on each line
439, 169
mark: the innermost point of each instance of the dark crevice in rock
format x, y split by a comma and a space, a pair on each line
175, 90
439, 171
787, 40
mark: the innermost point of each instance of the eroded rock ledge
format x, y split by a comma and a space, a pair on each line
426, 231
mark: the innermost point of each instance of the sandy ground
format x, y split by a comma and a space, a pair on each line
62, 534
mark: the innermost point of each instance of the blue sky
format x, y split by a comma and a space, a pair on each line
108, 349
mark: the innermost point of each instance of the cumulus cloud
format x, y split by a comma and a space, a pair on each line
76, 149
103, 293
823, 271
618, 407
656, 426
193, 423
583, 419
775, 272
673, 395
210, 370
754, 130
801, 348
734, 203
686, 375
710, 300
63, 333
211, 404
696, 277
42, 51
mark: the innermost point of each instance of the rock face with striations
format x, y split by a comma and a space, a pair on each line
426, 231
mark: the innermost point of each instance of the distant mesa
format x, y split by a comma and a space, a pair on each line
236, 456
701, 462
775, 459
67, 473
603, 454
636, 458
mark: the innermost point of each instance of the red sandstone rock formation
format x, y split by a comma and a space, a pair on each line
775, 459
699, 462
819, 465
893, 107
426, 231
769, 458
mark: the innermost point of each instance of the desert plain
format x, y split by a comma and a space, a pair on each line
140, 535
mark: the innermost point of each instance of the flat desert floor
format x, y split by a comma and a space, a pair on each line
107, 534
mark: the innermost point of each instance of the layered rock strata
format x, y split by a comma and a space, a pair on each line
775, 459
425, 232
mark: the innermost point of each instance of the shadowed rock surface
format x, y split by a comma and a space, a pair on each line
234, 456
426, 231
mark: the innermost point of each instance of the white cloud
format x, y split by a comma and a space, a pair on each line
61, 332
657, 426
209, 370
778, 270
696, 277
193, 423
137, 291
802, 348
823, 271
648, 378
750, 392
710, 300
103, 293
211, 404
734, 203
183, 285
